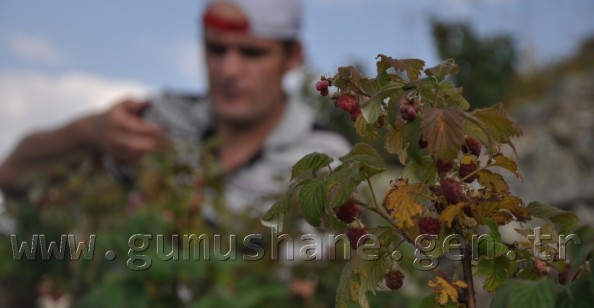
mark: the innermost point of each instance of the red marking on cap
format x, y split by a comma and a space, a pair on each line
214, 21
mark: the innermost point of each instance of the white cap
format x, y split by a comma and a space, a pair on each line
274, 19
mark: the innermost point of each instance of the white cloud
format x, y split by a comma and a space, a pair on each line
34, 49
32, 100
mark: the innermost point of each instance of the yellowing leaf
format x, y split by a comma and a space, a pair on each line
401, 203
394, 144
493, 181
506, 163
450, 213
446, 291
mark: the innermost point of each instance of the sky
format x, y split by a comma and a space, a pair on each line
62, 59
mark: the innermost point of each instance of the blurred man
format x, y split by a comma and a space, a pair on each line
250, 45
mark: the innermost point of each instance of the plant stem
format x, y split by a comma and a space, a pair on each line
470, 295
372, 194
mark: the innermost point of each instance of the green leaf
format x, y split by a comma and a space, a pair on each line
495, 271
526, 294
275, 215
497, 122
424, 173
310, 162
412, 134
566, 221
577, 295
440, 71
312, 199
364, 129
442, 129
451, 95
412, 67
367, 157
341, 183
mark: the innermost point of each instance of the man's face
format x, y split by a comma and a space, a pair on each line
245, 75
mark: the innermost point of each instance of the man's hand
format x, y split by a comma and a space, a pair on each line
123, 134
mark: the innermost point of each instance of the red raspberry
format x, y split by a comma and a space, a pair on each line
324, 92
539, 266
423, 143
355, 115
347, 212
354, 235
471, 146
380, 121
465, 170
442, 166
394, 280
322, 84
452, 191
411, 114
429, 225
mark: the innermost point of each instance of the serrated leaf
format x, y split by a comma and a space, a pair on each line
448, 95
446, 67
494, 271
492, 181
498, 123
523, 293
366, 157
450, 213
576, 295
313, 161
341, 183
394, 144
442, 129
424, 173
274, 217
503, 211
372, 108
401, 202
506, 163
566, 221
357, 277
412, 67
430, 301
311, 199
445, 291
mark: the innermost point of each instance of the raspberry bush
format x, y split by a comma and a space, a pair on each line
450, 185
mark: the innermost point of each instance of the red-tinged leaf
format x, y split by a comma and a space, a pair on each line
442, 129
412, 67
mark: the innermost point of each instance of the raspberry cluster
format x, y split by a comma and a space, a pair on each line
467, 169
347, 212
409, 109
394, 280
322, 86
442, 166
471, 146
349, 104
354, 235
451, 190
429, 225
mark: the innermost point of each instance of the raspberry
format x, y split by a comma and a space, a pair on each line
539, 266
324, 92
452, 191
347, 212
407, 109
442, 166
349, 104
465, 170
394, 280
423, 143
411, 114
354, 236
380, 121
471, 146
355, 115
429, 225
322, 84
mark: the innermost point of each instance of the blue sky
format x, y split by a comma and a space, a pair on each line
60, 59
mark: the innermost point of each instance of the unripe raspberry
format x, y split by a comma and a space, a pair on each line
442, 166
471, 146
347, 212
465, 170
394, 280
452, 191
354, 235
429, 225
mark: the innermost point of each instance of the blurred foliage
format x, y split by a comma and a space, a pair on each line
487, 65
